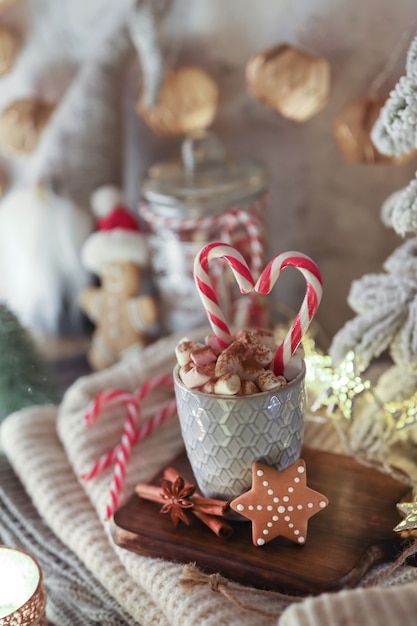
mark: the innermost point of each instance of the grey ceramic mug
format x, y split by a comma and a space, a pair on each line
225, 435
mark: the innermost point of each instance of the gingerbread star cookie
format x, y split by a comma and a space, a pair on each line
279, 504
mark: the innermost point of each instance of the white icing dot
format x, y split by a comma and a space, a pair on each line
299, 507
276, 499
285, 498
281, 509
300, 469
296, 532
322, 504
290, 489
275, 518
265, 531
250, 507
297, 479
270, 492
310, 505
287, 518
240, 507
269, 507
259, 507
269, 524
260, 541
301, 539
265, 483
291, 525
260, 472
290, 508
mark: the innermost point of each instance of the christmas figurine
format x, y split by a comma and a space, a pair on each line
117, 252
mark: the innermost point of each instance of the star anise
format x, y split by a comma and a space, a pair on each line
177, 496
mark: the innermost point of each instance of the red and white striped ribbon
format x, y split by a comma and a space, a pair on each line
309, 306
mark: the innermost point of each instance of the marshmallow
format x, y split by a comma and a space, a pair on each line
267, 381
183, 350
259, 335
293, 367
248, 387
208, 387
203, 355
249, 369
227, 385
196, 375
227, 364
211, 340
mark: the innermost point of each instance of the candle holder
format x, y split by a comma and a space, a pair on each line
22, 594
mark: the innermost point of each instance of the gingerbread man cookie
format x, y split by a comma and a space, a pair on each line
279, 504
116, 253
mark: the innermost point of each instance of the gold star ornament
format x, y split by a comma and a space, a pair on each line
408, 526
345, 385
279, 503
404, 413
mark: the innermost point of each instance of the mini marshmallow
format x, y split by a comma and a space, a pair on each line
249, 370
211, 340
196, 375
261, 353
248, 387
265, 337
267, 381
226, 364
208, 387
293, 367
227, 385
183, 350
203, 355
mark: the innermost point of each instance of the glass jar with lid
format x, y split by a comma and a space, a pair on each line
206, 196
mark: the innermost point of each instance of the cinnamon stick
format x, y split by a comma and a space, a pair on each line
208, 506
218, 525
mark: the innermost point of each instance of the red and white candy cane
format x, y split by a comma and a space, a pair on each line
206, 289
198, 224
123, 452
254, 238
308, 307
132, 433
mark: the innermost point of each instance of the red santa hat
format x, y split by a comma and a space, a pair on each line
118, 236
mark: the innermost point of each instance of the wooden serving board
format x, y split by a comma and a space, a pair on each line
344, 540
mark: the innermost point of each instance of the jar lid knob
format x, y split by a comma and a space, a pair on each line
201, 148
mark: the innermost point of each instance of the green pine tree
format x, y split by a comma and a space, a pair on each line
25, 377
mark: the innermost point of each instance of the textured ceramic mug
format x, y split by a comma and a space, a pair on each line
225, 435
22, 594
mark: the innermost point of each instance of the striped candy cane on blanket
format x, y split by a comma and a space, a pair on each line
132, 432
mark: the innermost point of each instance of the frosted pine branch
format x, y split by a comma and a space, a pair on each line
387, 313
395, 131
399, 211
403, 348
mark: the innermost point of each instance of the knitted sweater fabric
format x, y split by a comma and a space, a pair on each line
49, 447
75, 597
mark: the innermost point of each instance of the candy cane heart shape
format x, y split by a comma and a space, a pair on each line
309, 306
243, 276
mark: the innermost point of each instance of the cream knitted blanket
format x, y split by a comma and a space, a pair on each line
50, 447
75, 597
